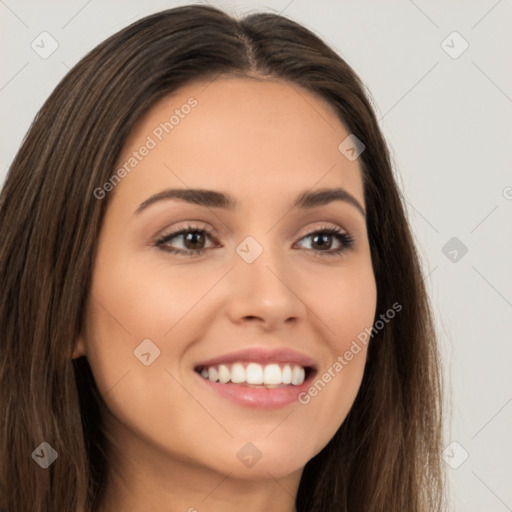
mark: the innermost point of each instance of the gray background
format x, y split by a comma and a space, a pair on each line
449, 124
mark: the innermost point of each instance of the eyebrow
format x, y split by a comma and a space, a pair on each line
215, 199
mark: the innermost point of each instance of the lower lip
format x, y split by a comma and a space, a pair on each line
263, 398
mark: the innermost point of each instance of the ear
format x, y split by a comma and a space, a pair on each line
79, 348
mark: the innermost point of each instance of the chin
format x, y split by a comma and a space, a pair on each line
261, 460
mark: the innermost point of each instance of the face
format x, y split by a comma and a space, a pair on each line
206, 315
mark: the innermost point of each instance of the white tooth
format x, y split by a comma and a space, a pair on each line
204, 373
213, 374
224, 374
272, 374
287, 375
254, 373
298, 375
237, 373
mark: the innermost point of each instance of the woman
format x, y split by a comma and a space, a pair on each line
212, 299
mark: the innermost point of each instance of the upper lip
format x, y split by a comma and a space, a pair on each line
262, 356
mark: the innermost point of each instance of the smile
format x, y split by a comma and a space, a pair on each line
257, 377
269, 376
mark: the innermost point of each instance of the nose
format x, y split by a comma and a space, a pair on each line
266, 291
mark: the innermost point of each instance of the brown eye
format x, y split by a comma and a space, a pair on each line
193, 241
322, 241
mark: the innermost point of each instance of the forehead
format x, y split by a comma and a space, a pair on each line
255, 137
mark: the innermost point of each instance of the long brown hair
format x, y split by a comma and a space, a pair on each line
386, 454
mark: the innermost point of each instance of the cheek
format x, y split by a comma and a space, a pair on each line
346, 304
347, 308
133, 301
145, 300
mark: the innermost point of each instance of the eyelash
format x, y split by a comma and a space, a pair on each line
344, 238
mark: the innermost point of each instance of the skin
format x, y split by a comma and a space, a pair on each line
174, 442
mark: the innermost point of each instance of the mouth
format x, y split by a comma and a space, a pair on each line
257, 378
255, 375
